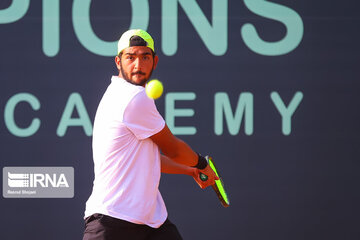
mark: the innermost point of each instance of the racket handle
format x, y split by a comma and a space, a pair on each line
203, 177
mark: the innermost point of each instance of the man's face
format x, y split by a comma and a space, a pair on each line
136, 64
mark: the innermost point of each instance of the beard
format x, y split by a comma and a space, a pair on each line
127, 76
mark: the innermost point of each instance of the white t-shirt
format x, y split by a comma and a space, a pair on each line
126, 161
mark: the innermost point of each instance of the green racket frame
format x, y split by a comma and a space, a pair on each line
219, 184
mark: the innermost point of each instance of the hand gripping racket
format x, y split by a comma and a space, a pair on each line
219, 184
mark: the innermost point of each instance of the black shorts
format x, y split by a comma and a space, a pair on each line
103, 227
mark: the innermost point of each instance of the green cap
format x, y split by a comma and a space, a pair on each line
125, 39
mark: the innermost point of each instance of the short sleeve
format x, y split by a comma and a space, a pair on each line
142, 117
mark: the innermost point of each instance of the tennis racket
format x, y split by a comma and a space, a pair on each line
219, 184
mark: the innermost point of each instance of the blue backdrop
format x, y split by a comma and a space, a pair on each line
270, 89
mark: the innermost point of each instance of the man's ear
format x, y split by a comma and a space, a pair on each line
156, 60
117, 62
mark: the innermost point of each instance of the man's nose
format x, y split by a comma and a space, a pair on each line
137, 63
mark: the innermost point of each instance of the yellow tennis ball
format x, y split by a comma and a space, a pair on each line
154, 89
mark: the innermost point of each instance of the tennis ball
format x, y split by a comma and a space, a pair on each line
154, 89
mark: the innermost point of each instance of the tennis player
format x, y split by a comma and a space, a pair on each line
128, 135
